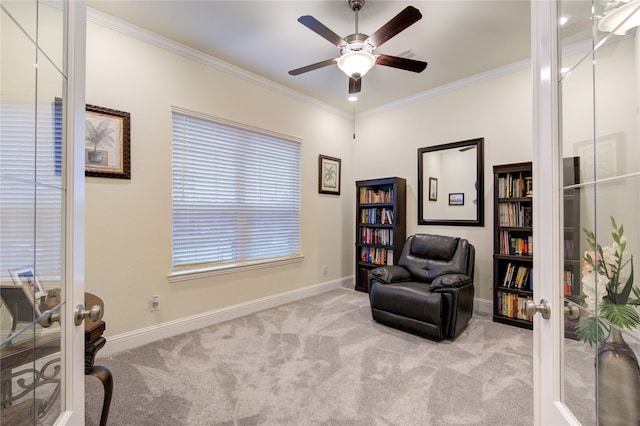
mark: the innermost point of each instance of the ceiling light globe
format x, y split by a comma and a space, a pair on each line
356, 64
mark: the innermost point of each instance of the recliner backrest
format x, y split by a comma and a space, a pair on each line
427, 256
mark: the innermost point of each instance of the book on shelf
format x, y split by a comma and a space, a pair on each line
568, 283
522, 246
568, 249
515, 214
377, 255
518, 186
377, 215
372, 196
512, 305
377, 236
517, 277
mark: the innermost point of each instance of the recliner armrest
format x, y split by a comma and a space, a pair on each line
451, 281
389, 274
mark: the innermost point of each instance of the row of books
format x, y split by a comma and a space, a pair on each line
376, 236
376, 255
515, 186
376, 215
568, 283
522, 246
370, 196
568, 249
515, 214
518, 276
512, 306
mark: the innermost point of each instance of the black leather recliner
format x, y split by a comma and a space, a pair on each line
430, 291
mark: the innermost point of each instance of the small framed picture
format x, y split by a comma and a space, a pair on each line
433, 189
26, 277
107, 143
456, 199
23, 298
329, 175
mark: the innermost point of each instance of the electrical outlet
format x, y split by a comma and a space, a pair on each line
324, 269
154, 303
491, 284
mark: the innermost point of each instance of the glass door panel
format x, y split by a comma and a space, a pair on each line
32, 197
599, 135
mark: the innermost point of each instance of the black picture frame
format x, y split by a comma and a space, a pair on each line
329, 174
107, 143
433, 189
456, 199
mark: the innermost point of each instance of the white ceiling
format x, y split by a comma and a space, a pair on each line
458, 39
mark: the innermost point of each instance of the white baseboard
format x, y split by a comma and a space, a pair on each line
483, 306
133, 339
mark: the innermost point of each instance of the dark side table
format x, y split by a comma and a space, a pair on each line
21, 354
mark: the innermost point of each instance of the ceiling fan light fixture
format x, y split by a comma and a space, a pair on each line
356, 64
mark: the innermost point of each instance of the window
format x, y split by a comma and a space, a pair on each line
31, 188
235, 195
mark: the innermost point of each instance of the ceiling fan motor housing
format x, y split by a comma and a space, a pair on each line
356, 42
356, 4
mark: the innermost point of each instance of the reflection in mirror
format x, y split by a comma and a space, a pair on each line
450, 184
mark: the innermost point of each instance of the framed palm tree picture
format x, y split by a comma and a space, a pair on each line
329, 175
107, 143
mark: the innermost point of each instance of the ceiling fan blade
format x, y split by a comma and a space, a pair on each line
313, 67
400, 22
316, 26
401, 63
354, 85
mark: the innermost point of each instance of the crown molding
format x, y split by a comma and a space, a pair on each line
450, 87
159, 41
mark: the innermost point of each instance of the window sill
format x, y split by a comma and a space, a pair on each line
211, 271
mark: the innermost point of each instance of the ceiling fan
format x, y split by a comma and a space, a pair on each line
356, 50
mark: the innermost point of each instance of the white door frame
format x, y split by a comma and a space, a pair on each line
73, 338
548, 335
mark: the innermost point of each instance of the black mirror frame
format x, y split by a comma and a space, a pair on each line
479, 221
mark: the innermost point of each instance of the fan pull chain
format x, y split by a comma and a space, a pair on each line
354, 121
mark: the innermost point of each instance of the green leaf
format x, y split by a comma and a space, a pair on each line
624, 316
591, 330
624, 294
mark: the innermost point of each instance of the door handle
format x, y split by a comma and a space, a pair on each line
50, 316
544, 308
80, 313
572, 311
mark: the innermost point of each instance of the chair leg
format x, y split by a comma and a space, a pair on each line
106, 378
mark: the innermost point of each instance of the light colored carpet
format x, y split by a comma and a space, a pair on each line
323, 360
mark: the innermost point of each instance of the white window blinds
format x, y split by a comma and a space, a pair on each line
235, 194
31, 190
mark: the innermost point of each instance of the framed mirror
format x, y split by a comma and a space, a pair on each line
451, 184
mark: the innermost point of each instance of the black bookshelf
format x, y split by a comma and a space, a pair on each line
380, 225
572, 263
513, 281
513, 243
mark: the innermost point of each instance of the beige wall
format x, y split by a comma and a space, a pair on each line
499, 110
128, 222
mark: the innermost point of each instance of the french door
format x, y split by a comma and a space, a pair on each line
41, 206
586, 77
